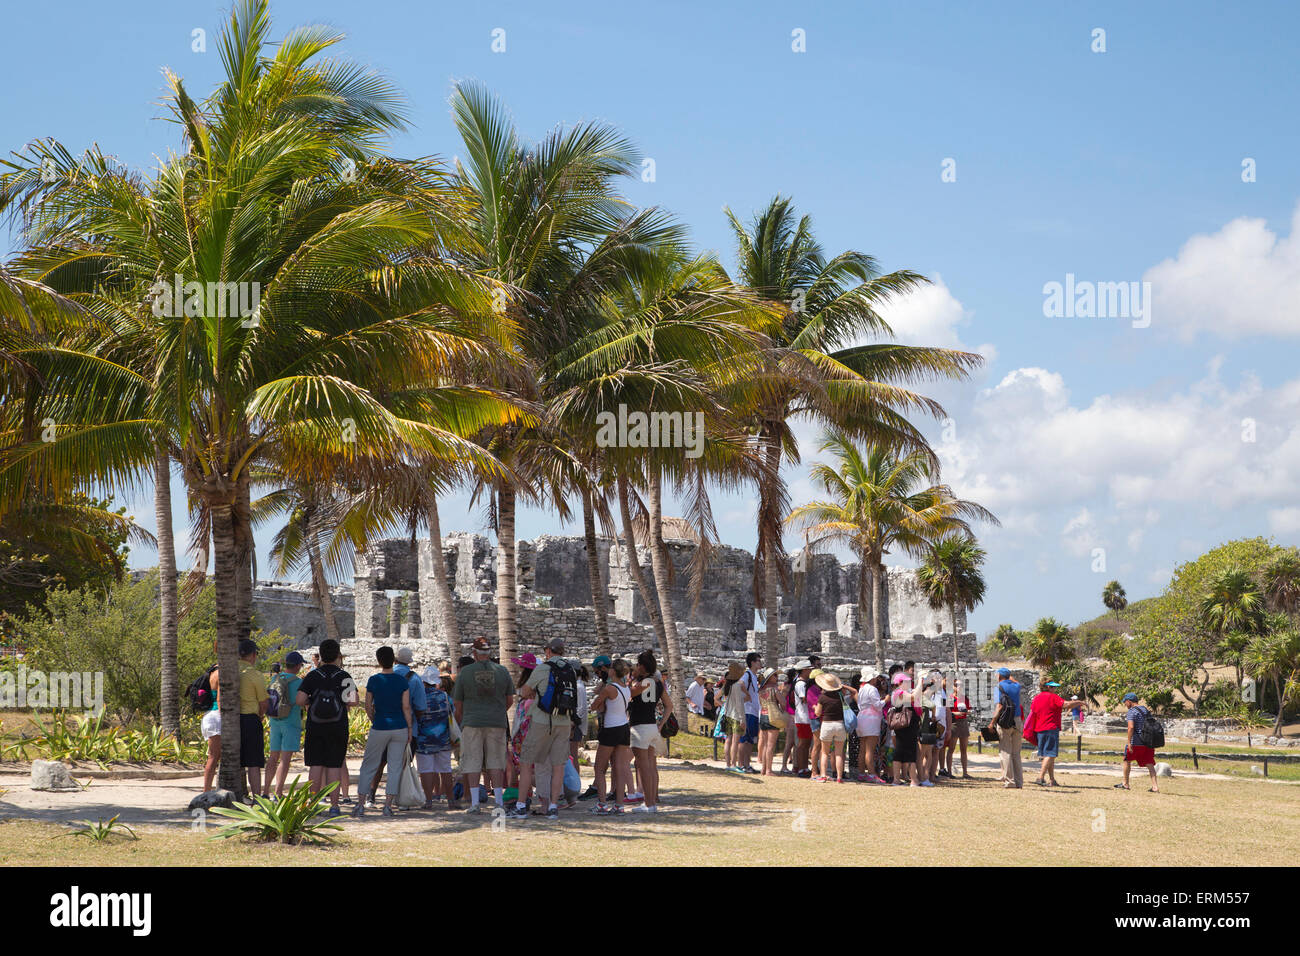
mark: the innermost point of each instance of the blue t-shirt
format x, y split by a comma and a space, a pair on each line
295, 712
386, 690
414, 685
1012, 689
1137, 715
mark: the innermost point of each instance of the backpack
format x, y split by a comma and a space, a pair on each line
199, 693
1007, 716
326, 705
1153, 732
281, 706
561, 694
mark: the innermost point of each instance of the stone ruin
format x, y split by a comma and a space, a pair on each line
820, 615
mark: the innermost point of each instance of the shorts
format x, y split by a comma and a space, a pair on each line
646, 736
325, 745
252, 752
1049, 742
732, 726
545, 744
960, 730
620, 736
803, 731
211, 725
433, 763
1142, 756
751, 729
833, 731
482, 748
286, 735
868, 726
814, 723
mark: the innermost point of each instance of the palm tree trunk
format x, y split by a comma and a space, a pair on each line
322, 587
242, 528
448, 629
952, 608
659, 565
167, 593
771, 575
650, 601
225, 579
599, 597
507, 631
877, 636
1281, 705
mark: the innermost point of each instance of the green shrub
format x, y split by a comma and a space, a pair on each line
288, 820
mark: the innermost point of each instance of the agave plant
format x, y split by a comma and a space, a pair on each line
287, 820
102, 829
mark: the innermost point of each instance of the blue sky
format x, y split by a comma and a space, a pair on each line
1115, 166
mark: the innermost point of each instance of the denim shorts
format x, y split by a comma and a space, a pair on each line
751, 729
1049, 742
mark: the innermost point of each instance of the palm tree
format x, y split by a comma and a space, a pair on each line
1233, 610
1274, 655
1049, 643
950, 576
1281, 580
1113, 596
817, 367
280, 186
878, 501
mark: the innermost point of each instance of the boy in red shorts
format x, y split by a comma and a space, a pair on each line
1136, 753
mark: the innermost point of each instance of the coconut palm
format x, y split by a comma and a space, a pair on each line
950, 576
1113, 596
1049, 643
279, 185
817, 365
878, 501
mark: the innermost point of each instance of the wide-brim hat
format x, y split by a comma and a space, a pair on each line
766, 674
525, 660
803, 665
830, 682
816, 673
431, 675
734, 671
868, 673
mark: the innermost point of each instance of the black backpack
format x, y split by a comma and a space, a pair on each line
199, 693
1152, 733
561, 694
326, 705
1007, 716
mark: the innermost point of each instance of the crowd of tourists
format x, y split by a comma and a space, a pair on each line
518, 739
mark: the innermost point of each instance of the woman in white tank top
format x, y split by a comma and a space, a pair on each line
615, 738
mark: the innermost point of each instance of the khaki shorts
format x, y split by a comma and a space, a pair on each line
645, 736
482, 748
546, 745
960, 730
833, 731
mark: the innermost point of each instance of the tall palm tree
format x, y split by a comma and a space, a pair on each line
1113, 596
1273, 655
279, 185
876, 501
1049, 643
1233, 610
950, 576
817, 365
1281, 581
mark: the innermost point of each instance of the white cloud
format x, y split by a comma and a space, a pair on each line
1284, 520
1242, 280
931, 315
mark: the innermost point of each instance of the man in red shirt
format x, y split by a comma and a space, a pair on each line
1045, 721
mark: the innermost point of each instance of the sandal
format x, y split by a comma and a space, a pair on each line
1120, 786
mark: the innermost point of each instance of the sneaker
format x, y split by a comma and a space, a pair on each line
634, 798
476, 808
387, 811
927, 783
805, 774
748, 770
517, 813
553, 812
428, 805
334, 812
359, 810
346, 801
820, 779
610, 809
589, 793
598, 808
644, 809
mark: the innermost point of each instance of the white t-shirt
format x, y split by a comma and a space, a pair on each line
695, 697
869, 703
801, 702
752, 705
582, 699
941, 707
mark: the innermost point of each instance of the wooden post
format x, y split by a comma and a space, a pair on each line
1266, 765
715, 748
979, 742
1196, 762
1078, 748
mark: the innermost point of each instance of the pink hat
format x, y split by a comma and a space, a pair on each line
526, 660
901, 678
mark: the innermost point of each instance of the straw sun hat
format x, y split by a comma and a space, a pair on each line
829, 682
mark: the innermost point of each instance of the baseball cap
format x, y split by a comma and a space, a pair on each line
293, 658
405, 655
1004, 672
1129, 696
480, 644
555, 645
431, 675
602, 660
1052, 683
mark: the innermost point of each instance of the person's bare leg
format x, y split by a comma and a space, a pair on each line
557, 785
1155, 787
214, 757
1127, 764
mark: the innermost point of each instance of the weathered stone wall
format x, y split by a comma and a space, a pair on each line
293, 610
